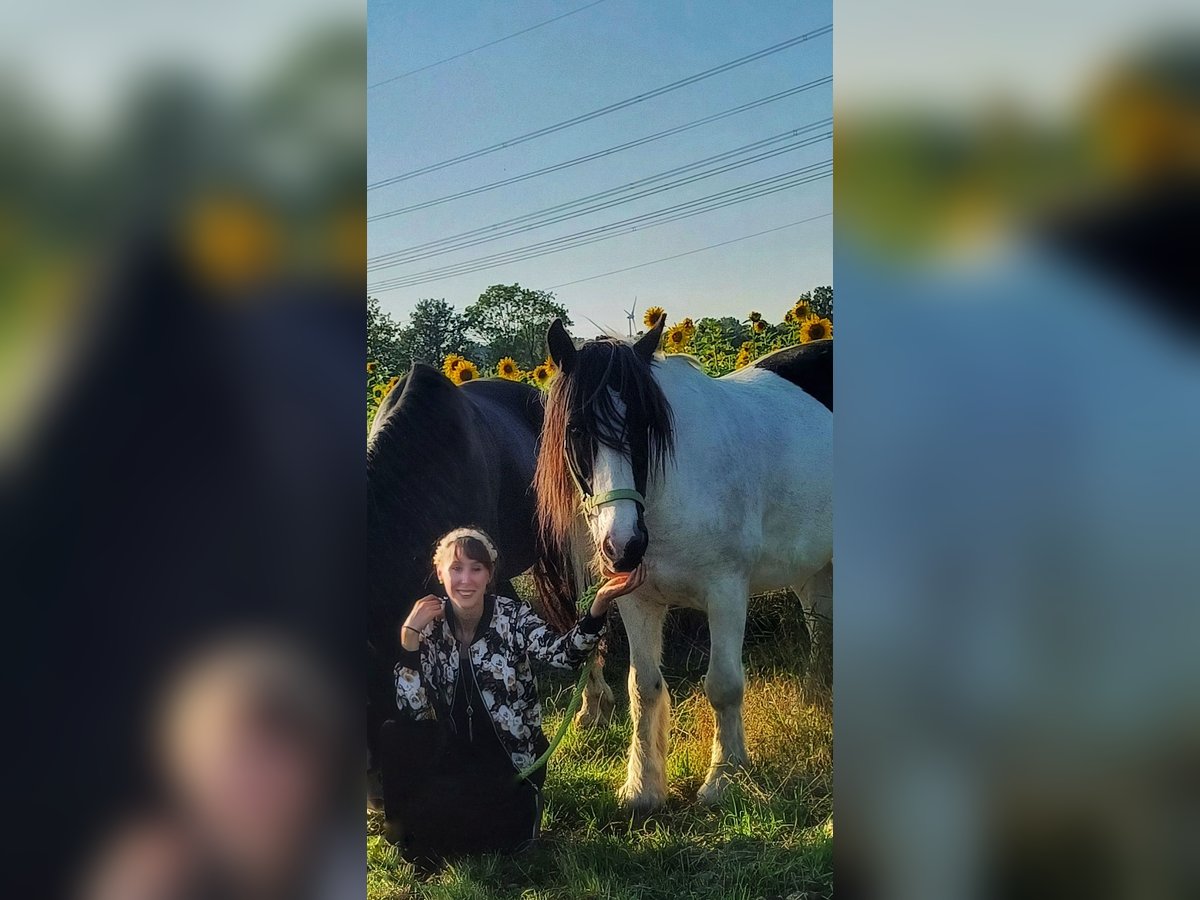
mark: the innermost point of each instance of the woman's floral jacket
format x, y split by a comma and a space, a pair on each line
510, 635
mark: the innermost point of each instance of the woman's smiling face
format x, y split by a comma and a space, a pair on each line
465, 579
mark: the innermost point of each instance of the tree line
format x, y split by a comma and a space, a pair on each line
509, 322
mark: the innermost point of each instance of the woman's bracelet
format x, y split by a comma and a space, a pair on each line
410, 628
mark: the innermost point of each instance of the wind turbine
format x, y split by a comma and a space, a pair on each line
630, 314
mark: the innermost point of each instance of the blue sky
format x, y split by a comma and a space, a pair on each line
614, 50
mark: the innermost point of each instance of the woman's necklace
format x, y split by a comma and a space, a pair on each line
463, 673
464, 631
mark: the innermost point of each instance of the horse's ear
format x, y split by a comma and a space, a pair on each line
648, 342
562, 348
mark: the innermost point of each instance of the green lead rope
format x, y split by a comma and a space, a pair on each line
573, 708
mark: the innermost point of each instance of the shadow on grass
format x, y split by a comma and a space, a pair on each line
756, 844
649, 862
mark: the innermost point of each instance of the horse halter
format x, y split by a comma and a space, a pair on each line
589, 502
592, 503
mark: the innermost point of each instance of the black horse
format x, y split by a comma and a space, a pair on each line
440, 456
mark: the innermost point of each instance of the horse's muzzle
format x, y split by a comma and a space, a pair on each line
626, 559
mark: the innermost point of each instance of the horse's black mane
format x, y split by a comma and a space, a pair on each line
648, 424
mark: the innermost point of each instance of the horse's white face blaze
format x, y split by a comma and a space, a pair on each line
614, 525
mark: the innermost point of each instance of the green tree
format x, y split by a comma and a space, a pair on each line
386, 338
820, 301
435, 330
512, 321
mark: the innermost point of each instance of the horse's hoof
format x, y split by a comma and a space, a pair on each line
596, 713
713, 789
393, 833
597, 716
590, 718
641, 801
374, 791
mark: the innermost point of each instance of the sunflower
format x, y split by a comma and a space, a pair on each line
380, 391
755, 316
675, 338
464, 372
747, 347
759, 326
452, 362
540, 375
743, 359
393, 381
549, 364
508, 368
815, 329
800, 310
790, 315
371, 368
653, 314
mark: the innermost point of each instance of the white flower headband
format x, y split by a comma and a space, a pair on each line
459, 533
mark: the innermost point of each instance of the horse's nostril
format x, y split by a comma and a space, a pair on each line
610, 551
632, 553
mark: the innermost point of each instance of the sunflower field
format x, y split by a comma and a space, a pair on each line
719, 345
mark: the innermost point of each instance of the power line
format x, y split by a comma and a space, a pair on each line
563, 216
652, 262
482, 46
783, 182
605, 110
610, 192
558, 167
609, 198
396, 284
641, 218
649, 220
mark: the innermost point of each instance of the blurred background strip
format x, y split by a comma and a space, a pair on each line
182, 251
1016, 215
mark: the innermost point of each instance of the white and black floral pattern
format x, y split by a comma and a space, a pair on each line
502, 657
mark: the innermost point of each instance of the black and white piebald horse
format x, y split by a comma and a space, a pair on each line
723, 486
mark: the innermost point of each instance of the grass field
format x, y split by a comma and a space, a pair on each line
771, 838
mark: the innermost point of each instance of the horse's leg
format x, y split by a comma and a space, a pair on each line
725, 684
816, 596
649, 705
598, 703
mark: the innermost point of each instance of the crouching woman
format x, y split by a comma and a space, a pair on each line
470, 718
